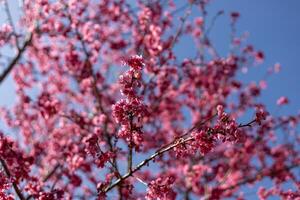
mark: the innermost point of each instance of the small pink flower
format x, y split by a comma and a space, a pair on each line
277, 68
282, 101
220, 110
263, 84
261, 115
161, 189
235, 15
135, 62
259, 56
199, 21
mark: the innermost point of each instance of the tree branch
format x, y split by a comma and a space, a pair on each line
176, 142
249, 124
51, 173
129, 159
16, 59
146, 161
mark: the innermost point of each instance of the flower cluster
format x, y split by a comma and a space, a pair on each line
104, 158
5, 32
161, 189
17, 162
129, 112
48, 106
261, 114
91, 142
204, 141
282, 101
136, 63
226, 128
4, 184
92, 147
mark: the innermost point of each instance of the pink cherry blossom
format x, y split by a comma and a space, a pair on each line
282, 101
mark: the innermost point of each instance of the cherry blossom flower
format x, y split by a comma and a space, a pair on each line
282, 101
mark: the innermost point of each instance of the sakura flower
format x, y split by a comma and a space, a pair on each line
282, 101
160, 189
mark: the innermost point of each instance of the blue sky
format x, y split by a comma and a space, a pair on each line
273, 27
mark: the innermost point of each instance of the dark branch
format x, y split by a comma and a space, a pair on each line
51, 173
16, 59
145, 162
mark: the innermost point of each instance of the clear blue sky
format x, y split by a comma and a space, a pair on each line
274, 27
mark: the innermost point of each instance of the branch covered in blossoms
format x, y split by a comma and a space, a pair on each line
200, 140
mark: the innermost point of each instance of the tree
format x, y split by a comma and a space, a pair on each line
106, 109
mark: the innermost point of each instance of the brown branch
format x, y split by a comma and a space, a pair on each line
196, 126
177, 141
145, 162
129, 159
14, 184
180, 29
248, 124
51, 173
16, 59
187, 194
130, 148
210, 27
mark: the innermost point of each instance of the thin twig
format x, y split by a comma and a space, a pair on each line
130, 149
187, 194
196, 126
248, 124
51, 173
48, 176
16, 59
208, 30
141, 181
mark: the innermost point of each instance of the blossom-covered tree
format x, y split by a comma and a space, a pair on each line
107, 109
